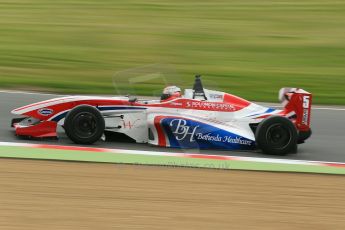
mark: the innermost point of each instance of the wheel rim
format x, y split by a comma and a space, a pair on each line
84, 125
278, 136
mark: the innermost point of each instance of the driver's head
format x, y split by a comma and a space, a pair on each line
171, 92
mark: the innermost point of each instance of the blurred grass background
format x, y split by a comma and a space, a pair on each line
250, 48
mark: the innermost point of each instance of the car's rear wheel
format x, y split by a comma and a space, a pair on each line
276, 135
84, 124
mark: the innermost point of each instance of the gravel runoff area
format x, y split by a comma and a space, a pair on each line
68, 195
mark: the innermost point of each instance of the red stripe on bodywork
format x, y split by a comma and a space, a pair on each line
161, 137
41, 103
240, 103
182, 103
42, 129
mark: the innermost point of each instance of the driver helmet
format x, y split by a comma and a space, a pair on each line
171, 92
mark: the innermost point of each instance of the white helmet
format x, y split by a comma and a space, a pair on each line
171, 92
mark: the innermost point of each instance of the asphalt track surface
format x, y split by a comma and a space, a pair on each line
326, 144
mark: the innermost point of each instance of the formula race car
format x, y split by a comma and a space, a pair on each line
200, 118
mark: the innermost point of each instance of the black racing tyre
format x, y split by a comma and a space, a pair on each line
84, 124
276, 136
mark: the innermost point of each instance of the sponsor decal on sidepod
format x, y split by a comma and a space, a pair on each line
193, 134
45, 112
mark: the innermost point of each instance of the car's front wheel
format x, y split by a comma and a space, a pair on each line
84, 124
276, 135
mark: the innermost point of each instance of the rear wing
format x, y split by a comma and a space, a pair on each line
297, 101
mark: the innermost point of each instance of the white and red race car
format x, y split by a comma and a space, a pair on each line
200, 118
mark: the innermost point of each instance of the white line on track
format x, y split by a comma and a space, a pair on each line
30, 93
262, 103
313, 108
332, 109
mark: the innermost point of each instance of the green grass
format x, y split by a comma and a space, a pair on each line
247, 47
106, 157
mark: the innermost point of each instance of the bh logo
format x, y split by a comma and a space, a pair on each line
182, 130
